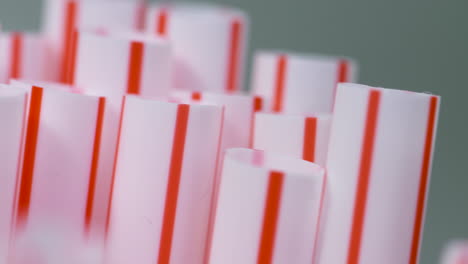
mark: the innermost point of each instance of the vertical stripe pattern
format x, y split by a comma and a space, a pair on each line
364, 177
27, 175
172, 192
280, 83
270, 217
16, 55
310, 134
424, 179
234, 56
94, 163
135, 66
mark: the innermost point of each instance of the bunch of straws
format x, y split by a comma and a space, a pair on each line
125, 138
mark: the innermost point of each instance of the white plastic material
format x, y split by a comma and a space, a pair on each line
24, 55
304, 137
12, 115
456, 252
378, 171
163, 182
209, 44
267, 210
59, 164
300, 83
62, 17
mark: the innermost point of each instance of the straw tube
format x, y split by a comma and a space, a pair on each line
122, 63
378, 170
209, 44
58, 170
268, 209
163, 182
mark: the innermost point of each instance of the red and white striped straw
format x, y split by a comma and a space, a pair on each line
122, 63
62, 18
163, 182
300, 83
456, 252
59, 164
378, 170
304, 137
24, 55
209, 42
13, 104
268, 209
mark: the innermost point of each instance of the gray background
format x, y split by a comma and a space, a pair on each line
418, 45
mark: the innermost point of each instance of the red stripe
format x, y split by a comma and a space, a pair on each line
94, 163
425, 170
279, 86
172, 193
135, 67
364, 177
161, 22
234, 56
70, 79
116, 158
257, 107
71, 13
196, 96
29, 153
16, 55
310, 134
343, 71
270, 217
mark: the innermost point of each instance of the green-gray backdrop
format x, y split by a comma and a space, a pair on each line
419, 45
